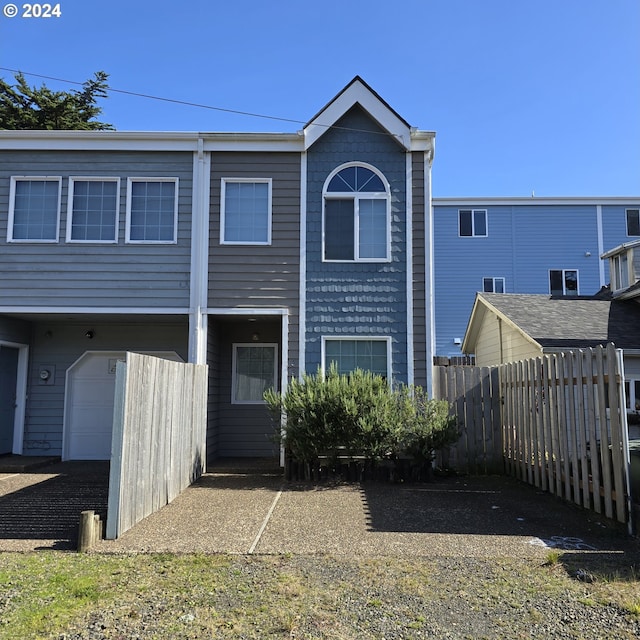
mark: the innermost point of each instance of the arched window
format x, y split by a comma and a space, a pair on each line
356, 215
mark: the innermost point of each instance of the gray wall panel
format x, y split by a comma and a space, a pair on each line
60, 344
84, 274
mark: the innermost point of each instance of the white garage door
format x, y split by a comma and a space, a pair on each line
89, 404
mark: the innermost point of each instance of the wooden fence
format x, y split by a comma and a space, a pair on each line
474, 394
557, 422
565, 428
159, 436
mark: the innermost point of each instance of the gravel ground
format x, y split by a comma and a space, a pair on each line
449, 598
454, 559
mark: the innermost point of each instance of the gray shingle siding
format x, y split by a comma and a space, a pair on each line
356, 298
105, 275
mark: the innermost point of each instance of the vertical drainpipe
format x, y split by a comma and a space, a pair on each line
199, 256
429, 276
409, 267
302, 298
603, 280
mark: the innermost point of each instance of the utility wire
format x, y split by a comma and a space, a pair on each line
194, 104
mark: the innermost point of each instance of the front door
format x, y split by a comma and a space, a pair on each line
8, 385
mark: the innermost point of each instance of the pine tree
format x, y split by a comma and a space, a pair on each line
25, 107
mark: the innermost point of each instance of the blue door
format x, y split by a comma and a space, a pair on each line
8, 382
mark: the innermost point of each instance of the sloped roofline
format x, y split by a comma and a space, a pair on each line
620, 248
480, 307
359, 92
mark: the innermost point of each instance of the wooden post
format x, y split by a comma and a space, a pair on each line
86, 531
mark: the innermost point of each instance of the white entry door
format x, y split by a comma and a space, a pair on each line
89, 402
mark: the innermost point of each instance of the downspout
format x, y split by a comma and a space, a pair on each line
199, 280
603, 281
429, 271
409, 268
302, 298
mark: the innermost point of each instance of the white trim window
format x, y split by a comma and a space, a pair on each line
356, 215
93, 209
152, 210
632, 394
620, 271
633, 222
351, 353
563, 282
472, 223
254, 370
493, 285
34, 209
245, 211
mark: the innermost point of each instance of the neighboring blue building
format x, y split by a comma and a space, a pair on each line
521, 245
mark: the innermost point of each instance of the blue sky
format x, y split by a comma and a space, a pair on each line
524, 95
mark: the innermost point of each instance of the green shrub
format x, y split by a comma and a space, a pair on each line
359, 414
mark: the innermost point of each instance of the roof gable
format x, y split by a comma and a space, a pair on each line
358, 92
556, 323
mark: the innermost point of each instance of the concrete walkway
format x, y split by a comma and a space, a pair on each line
231, 511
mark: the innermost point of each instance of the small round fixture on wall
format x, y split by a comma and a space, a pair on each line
89, 335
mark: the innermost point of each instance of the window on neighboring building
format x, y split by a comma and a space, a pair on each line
355, 353
632, 393
152, 210
493, 285
356, 215
93, 210
255, 369
563, 282
620, 271
633, 222
34, 209
472, 222
245, 214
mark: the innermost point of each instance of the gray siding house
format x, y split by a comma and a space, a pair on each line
262, 255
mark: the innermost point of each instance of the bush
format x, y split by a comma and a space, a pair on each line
360, 414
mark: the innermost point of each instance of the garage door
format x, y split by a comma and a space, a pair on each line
89, 401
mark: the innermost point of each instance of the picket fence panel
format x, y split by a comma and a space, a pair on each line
557, 422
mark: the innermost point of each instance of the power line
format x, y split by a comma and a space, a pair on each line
160, 98
196, 104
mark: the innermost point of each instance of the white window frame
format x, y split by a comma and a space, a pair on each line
631, 397
473, 223
223, 191
234, 371
130, 182
12, 201
621, 266
351, 338
356, 197
493, 284
70, 198
564, 291
626, 221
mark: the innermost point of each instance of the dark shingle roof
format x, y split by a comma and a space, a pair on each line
571, 322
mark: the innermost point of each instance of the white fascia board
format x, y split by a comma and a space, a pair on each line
98, 140
422, 140
620, 249
159, 311
293, 142
507, 201
357, 93
147, 141
267, 311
